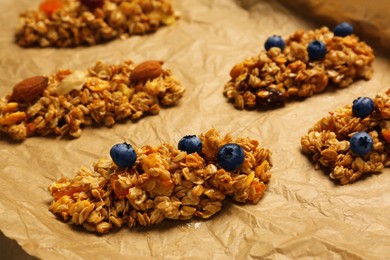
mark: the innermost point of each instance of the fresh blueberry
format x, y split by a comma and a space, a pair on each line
343, 29
230, 156
190, 144
361, 143
362, 107
316, 50
123, 155
274, 41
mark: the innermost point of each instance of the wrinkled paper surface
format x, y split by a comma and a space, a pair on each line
303, 214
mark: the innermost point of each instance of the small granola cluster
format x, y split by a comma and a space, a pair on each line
69, 23
332, 144
67, 100
275, 75
164, 183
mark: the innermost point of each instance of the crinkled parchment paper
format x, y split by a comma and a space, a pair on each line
303, 214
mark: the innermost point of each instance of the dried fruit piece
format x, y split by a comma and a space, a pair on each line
386, 135
147, 70
270, 96
29, 89
50, 6
92, 4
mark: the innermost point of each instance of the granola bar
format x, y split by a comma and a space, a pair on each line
276, 76
164, 183
64, 102
69, 23
329, 141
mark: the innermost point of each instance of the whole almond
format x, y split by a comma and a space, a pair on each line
147, 70
29, 89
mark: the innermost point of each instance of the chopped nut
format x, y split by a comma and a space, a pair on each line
74, 81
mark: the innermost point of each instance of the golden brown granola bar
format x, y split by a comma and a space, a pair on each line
274, 76
164, 183
69, 23
349, 144
67, 100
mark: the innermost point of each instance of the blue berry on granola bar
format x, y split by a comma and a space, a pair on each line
123, 155
230, 156
190, 144
361, 143
274, 41
343, 29
316, 50
362, 107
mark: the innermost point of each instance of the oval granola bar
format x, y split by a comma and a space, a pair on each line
67, 100
328, 141
70, 23
273, 77
164, 183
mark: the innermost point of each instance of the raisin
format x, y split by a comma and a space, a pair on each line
92, 4
275, 98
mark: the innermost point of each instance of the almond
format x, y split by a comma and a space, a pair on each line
147, 70
29, 89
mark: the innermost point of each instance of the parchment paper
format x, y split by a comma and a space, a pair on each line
303, 214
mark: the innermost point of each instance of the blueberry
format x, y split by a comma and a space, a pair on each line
123, 155
361, 143
343, 29
274, 41
316, 50
362, 107
190, 144
230, 156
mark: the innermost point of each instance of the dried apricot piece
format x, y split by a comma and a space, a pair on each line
386, 135
50, 6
